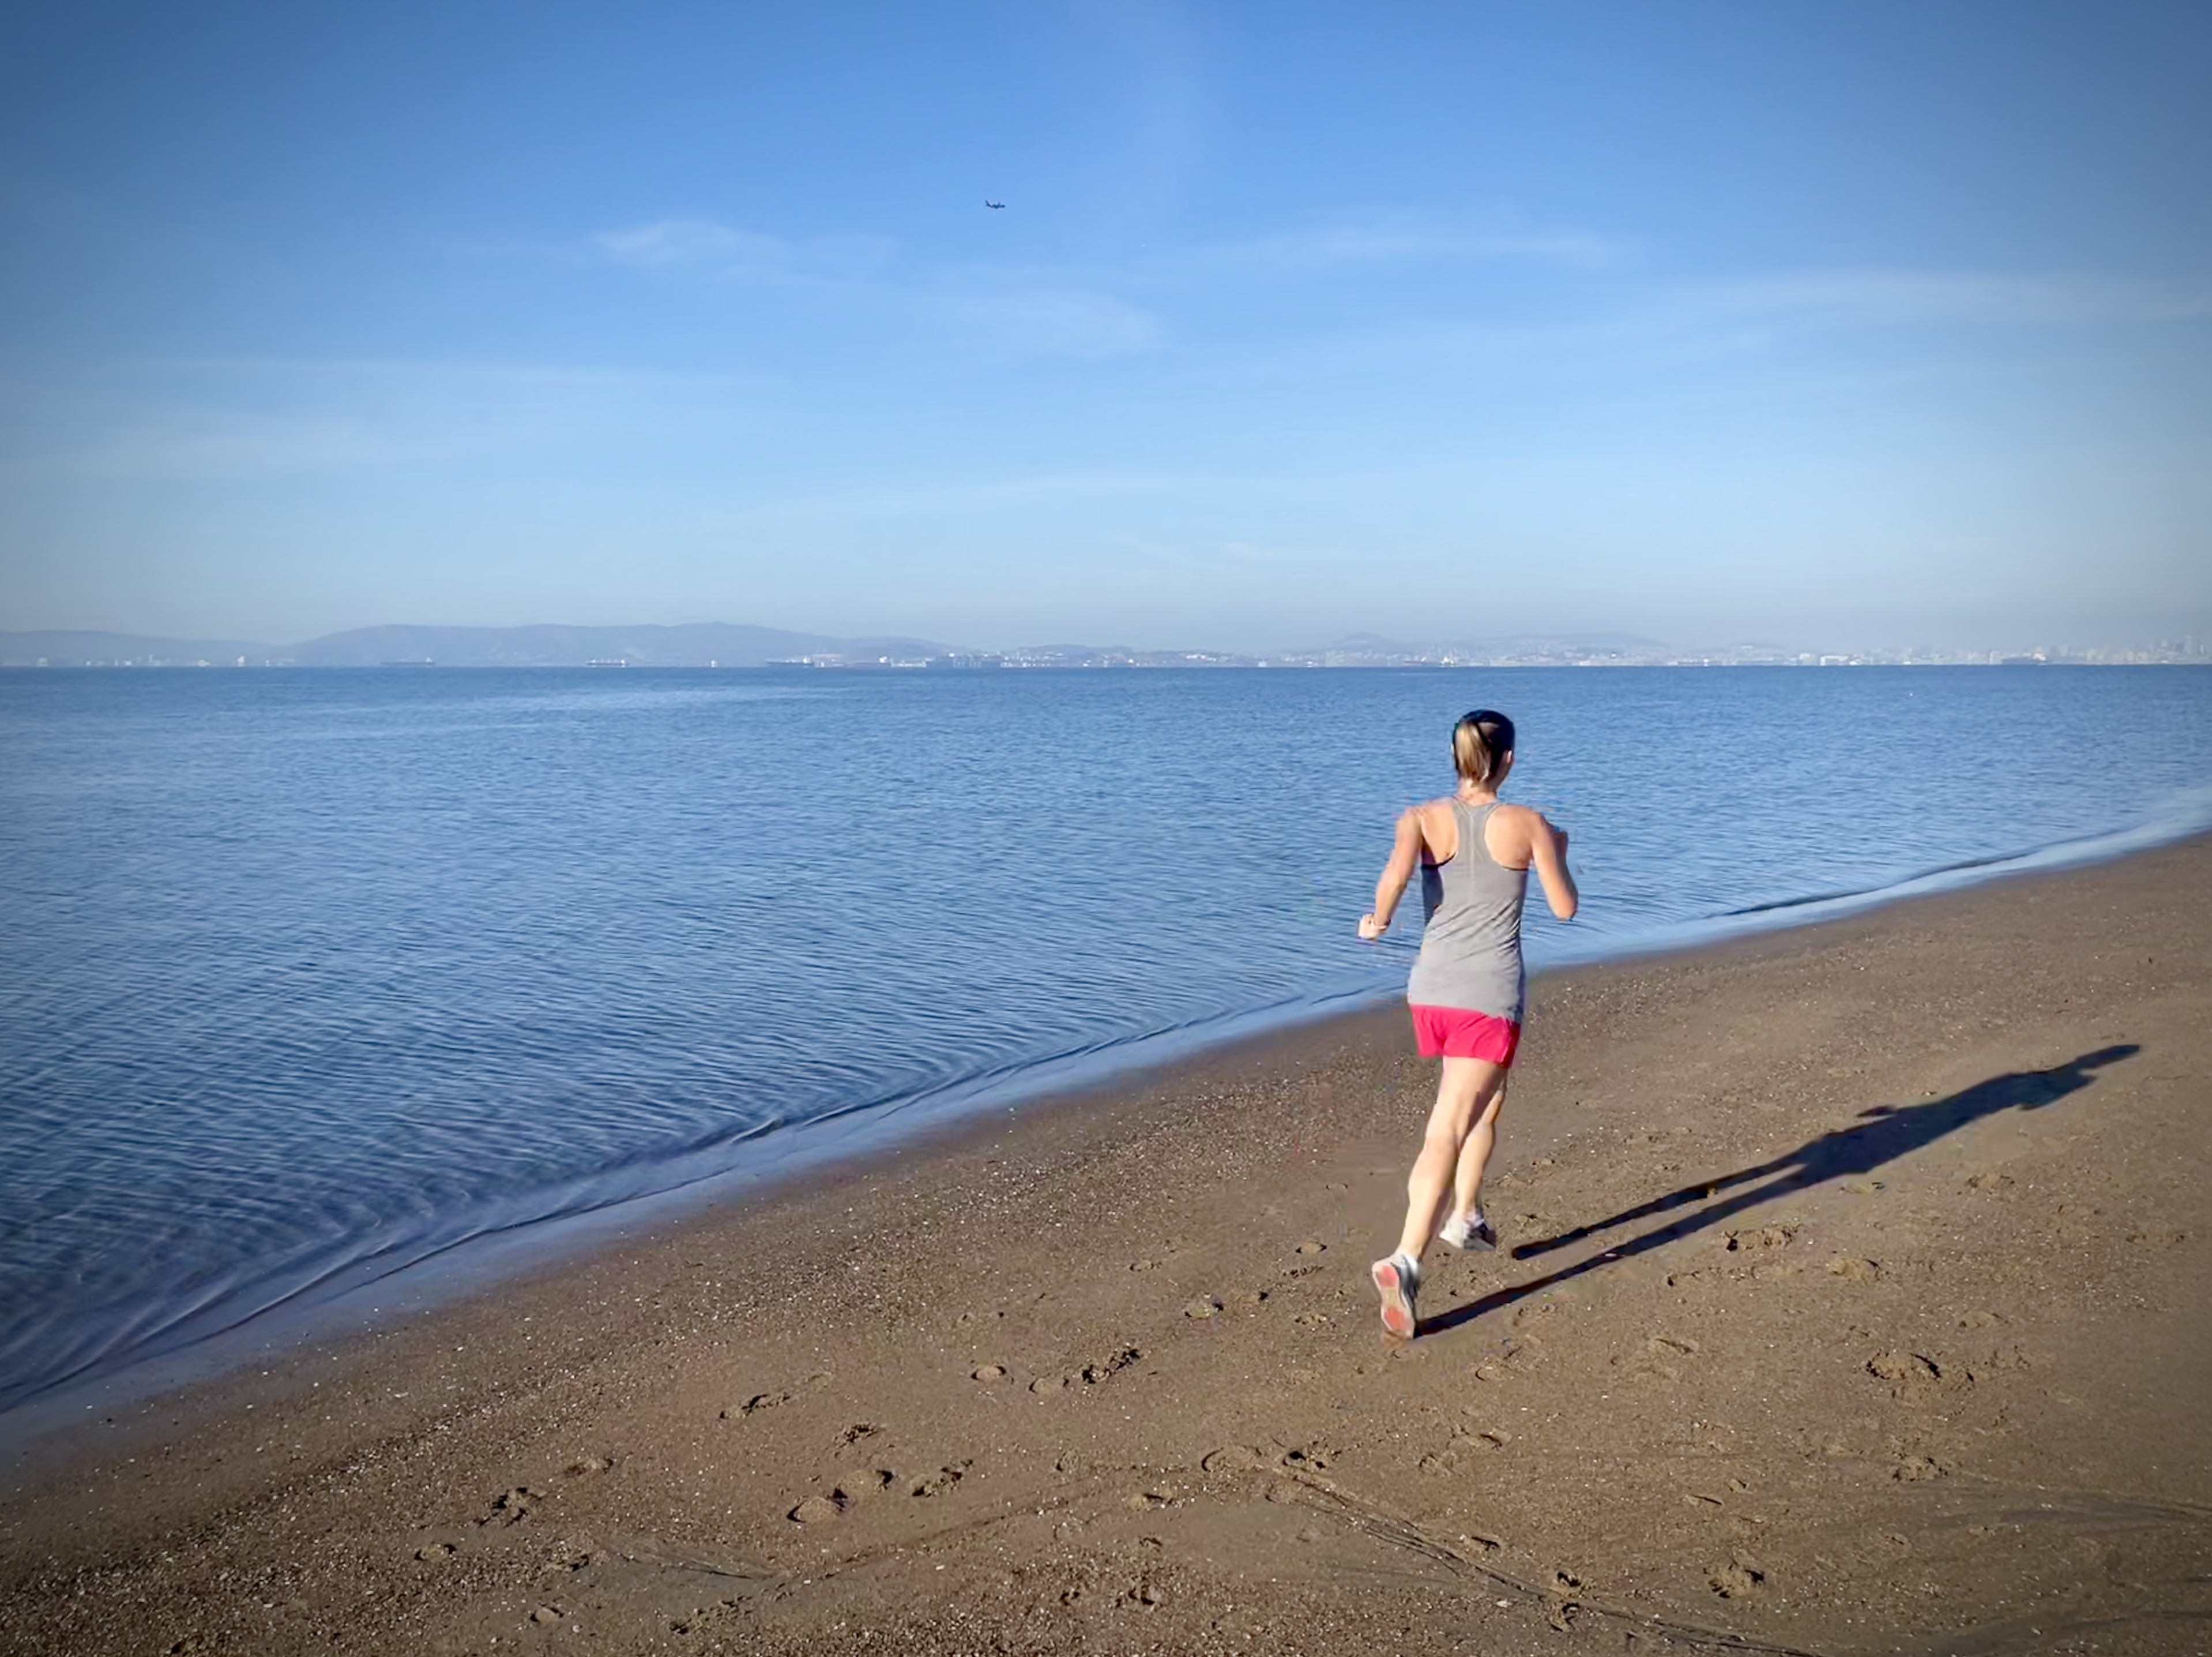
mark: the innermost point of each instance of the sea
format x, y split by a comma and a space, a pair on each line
318, 987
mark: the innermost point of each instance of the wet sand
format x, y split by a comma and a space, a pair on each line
1853, 1299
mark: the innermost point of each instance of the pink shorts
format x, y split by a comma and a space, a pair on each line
1456, 1033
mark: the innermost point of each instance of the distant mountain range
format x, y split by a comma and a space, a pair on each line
695, 645
717, 643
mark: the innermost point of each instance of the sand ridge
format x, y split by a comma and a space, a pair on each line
1850, 1300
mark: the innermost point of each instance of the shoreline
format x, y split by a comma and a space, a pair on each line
1188, 1399
329, 1307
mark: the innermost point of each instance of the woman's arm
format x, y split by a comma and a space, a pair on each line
1405, 854
1547, 852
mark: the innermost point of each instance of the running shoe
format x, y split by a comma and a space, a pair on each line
1397, 1279
1468, 1233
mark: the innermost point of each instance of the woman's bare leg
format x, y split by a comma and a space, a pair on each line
1467, 1093
1475, 1158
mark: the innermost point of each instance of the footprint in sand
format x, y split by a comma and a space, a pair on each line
1107, 1368
584, 1466
942, 1480
1091, 1374
512, 1507
1917, 1469
1767, 1237
852, 1484
1902, 1366
1660, 1355
1854, 1271
1738, 1579
1465, 1449
1988, 1179
1232, 1459
755, 1405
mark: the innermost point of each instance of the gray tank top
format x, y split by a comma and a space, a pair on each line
1471, 946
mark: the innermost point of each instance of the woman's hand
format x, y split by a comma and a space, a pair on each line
1370, 928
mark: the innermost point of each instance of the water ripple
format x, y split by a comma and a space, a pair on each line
314, 973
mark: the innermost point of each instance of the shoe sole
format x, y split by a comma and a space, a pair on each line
1397, 1304
1474, 1242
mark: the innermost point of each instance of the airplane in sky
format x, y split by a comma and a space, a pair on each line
987, 202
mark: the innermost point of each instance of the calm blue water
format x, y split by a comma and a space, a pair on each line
305, 970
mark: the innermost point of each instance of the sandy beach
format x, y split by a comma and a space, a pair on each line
1851, 1300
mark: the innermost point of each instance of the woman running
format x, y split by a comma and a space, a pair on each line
1474, 854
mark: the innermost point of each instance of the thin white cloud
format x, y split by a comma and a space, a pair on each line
997, 310
217, 419
1033, 313
1348, 247
1898, 296
1000, 311
981, 496
1248, 552
692, 241
724, 250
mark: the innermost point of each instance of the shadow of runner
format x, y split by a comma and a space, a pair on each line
1885, 1133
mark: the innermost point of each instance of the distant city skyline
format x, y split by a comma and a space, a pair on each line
1851, 331
737, 646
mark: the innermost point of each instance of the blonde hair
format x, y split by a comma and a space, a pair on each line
1479, 741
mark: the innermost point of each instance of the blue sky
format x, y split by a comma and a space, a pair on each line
1870, 325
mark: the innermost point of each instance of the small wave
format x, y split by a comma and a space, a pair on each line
2182, 816
1845, 893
